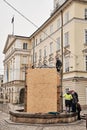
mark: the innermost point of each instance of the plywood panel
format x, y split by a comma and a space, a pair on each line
42, 90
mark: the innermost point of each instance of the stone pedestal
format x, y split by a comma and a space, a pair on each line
39, 118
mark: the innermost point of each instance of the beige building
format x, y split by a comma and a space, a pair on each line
63, 35
17, 52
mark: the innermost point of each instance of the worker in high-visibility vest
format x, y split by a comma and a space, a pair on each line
68, 100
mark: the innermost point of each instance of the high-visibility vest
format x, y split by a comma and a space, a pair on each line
67, 96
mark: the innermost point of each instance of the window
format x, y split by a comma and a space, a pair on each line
67, 64
36, 42
58, 43
45, 51
58, 23
51, 47
31, 58
66, 17
24, 60
35, 57
25, 46
86, 36
51, 29
40, 54
45, 34
86, 62
86, 14
23, 75
66, 39
7, 73
40, 38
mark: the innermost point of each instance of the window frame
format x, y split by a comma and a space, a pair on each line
66, 17
66, 39
85, 36
58, 23
67, 64
35, 57
25, 46
51, 28
58, 43
40, 54
86, 62
45, 51
85, 13
51, 47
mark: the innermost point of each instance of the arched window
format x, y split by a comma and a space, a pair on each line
24, 45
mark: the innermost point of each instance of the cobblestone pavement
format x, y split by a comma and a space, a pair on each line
6, 124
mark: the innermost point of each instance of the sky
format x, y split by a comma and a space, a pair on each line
37, 11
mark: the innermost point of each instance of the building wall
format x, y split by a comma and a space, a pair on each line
13, 58
16, 58
75, 26
79, 85
74, 22
72, 14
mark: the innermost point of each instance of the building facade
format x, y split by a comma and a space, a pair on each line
17, 52
63, 35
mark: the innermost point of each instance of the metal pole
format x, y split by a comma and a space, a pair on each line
25, 94
58, 94
61, 73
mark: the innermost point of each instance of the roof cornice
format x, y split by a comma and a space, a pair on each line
15, 37
56, 12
